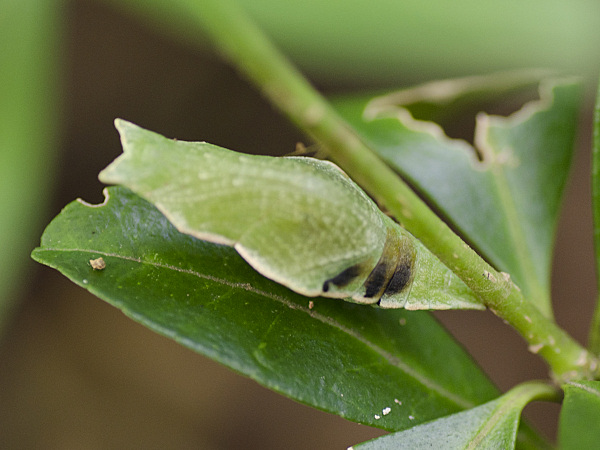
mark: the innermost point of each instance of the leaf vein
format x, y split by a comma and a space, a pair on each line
389, 357
588, 389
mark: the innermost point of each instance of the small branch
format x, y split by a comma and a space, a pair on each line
594, 337
243, 44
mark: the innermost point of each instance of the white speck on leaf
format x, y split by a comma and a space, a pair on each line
386, 411
397, 401
98, 264
411, 417
377, 417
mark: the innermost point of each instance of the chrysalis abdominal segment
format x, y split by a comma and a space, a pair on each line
391, 277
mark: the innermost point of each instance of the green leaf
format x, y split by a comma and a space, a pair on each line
507, 204
381, 43
298, 221
493, 425
594, 335
579, 422
30, 33
348, 359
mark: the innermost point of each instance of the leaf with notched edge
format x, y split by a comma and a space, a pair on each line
506, 205
348, 359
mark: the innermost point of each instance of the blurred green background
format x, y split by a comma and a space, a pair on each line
75, 373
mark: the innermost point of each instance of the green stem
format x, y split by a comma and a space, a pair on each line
242, 43
594, 338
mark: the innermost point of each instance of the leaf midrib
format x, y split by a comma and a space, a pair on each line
389, 357
531, 284
583, 387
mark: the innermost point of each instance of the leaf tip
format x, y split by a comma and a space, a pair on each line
35, 254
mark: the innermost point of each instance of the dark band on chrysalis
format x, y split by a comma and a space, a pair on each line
343, 278
404, 273
392, 274
379, 278
401, 279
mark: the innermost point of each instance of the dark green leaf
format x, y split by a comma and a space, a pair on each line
579, 423
493, 425
507, 204
352, 360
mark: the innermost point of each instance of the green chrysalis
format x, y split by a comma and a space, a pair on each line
299, 221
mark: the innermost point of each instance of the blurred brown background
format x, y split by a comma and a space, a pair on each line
76, 373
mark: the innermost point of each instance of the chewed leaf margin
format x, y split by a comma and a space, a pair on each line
488, 202
347, 359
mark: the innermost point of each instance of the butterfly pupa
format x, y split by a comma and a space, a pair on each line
299, 221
